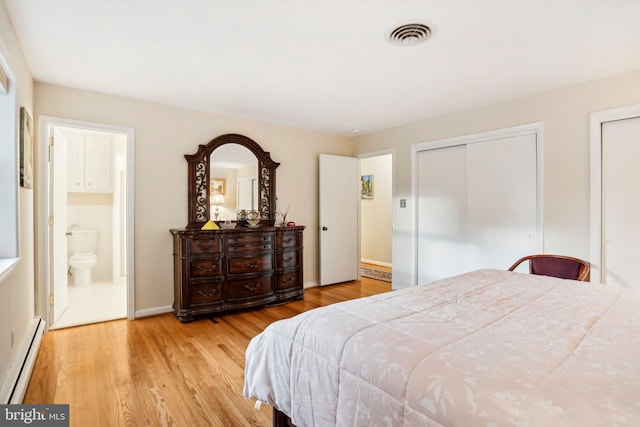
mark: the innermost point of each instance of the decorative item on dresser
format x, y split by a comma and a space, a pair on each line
240, 267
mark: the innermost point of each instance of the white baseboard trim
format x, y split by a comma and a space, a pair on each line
153, 311
371, 261
310, 285
17, 379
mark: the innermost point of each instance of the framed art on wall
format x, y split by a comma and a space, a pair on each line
26, 149
366, 191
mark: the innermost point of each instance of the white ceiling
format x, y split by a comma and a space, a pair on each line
324, 64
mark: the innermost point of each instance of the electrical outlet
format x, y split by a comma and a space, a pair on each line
403, 203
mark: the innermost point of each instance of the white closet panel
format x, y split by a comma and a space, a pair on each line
442, 204
501, 201
620, 202
477, 206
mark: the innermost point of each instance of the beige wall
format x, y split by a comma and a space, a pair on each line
17, 290
163, 134
565, 115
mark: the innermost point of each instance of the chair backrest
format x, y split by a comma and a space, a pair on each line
559, 266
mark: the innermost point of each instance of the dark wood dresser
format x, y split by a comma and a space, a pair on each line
219, 270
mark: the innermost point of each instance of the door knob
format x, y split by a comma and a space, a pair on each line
324, 228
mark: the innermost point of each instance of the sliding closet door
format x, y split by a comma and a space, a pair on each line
501, 201
620, 202
442, 207
477, 206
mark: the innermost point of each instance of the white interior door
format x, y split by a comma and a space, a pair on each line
339, 197
620, 202
120, 220
58, 211
247, 193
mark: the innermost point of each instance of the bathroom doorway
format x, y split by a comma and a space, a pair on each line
89, 243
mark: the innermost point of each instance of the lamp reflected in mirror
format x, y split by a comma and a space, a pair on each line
217, 201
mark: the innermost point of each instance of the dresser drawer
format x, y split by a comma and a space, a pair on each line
289, 239
205, 267
248, 288
289, 280
205, 293
249, 264
288, 259
252, 242
205, 246
250, 247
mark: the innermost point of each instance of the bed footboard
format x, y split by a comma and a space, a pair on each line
281, 420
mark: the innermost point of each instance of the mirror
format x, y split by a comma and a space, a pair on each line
212, 172
234, 181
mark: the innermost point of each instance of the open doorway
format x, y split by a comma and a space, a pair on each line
376, 216
88, 202
356, 220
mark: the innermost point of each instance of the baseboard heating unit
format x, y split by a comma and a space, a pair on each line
17, 379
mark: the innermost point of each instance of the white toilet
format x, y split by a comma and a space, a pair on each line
82, 247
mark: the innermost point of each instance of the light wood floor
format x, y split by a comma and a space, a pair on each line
157, 371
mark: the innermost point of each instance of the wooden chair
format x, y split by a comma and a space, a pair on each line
560, 266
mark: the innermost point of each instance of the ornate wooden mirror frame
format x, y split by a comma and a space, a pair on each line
199, 178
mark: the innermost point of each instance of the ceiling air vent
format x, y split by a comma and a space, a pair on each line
409, 34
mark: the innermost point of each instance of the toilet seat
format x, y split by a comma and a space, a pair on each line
83, 256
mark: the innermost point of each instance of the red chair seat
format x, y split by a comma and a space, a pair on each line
559, 266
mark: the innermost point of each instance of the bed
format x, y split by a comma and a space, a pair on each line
486, 348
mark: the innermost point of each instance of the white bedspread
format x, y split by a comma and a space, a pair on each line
487, 348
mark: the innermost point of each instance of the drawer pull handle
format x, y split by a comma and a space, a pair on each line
205, 247
288, 240
253, 288
252, 264
288, 259
287, 281
207, 269
207, 294
266, 246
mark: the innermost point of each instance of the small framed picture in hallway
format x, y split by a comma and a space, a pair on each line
366, 190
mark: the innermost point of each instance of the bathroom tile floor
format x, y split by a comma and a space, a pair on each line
97, 302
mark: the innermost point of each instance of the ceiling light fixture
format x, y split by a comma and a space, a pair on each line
409, 34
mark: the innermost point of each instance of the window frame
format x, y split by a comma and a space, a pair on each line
9, 191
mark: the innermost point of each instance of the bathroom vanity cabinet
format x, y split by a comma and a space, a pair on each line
89, 163
220, 270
